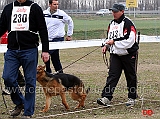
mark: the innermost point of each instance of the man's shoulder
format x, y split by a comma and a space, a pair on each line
61, 11
127, 19
8, 6
45, 11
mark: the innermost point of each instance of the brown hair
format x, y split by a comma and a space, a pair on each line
50, 1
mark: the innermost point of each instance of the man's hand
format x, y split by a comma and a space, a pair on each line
45, 56
110, 42
104, 49
68, 38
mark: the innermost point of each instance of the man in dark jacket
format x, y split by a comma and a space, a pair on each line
24, 21
123, 47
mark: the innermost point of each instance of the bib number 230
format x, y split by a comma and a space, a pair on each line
18, 18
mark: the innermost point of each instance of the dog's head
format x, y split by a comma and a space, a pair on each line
40, 71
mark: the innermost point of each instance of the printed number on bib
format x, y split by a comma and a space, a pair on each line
18, 18
113, 34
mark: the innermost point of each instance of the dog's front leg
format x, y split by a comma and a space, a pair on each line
48, 103
64, 102
81, 103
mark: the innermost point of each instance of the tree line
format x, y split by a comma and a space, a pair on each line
91, 5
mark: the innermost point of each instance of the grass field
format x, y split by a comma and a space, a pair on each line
92, 70
89, 27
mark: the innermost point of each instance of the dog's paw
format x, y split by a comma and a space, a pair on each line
43, 111
68, 110
76, 107
79, 106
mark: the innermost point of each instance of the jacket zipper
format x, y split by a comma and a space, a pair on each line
17, 40
17, 36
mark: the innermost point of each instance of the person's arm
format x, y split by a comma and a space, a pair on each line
106, 46
68, 20
43, 33
68, 38
3, 22
129, 36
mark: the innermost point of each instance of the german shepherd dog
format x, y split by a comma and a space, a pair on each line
58, 84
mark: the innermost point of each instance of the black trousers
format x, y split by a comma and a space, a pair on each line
54, 55
117, 64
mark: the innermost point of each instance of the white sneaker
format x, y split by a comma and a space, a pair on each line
130, 102
103, 101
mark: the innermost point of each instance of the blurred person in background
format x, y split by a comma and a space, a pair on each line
56, 20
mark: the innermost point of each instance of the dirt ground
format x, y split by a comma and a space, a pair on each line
92, 70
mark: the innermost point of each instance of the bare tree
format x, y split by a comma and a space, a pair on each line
93, 4
90, 4
78, 6
156, 4
4, 3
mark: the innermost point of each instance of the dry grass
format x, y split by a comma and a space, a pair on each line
93, 72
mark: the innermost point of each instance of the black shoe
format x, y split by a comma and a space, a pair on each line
17, 110
20, 80
26, 117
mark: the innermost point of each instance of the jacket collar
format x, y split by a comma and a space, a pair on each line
21, 4
120, 19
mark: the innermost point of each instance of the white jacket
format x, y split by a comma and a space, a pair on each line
56, 23
124, 35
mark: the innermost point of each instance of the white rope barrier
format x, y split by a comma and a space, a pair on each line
87, 43
64, 44
83, 43
85, 110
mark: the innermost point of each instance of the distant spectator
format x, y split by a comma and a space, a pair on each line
55, 21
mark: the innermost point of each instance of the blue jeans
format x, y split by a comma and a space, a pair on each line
54, 54
28, 59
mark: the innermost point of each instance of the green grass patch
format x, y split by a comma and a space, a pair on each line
92, 70
93, 27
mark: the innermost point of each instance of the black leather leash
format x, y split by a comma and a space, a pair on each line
105, 59
136, 63
77, 59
